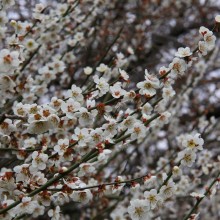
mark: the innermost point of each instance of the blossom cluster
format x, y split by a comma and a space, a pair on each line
76, 135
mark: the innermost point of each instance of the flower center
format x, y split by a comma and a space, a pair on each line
7, 59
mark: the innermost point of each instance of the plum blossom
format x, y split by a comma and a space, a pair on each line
39, 160
138, 131
96, 136
150, 181
110, 128
22, 173
31, 44
210, 39
102, 68
81, 136
217, 18
149, 86
139, 210
197, 195
183, 52
39, 178
9, 61
168, 190
87, 70
6, 83
85, 117
146, 109
38, 210
39, 126
118, 214
203, 30
62, 146
163, 70
54, 213
58, 66
152, 198
116, 90
86, 169
104, 155
46, 73
39, 8
60, 198
79, 36
187, 157
56, 103
101, 85
128, 122
7, 127
129, 96
163, 119
203, 48
70, 107
121, 60
26, 206
176, 171
124, 75
75, 93
178, 67
193, 142
3, 18
168, 93
7, 183
84, 196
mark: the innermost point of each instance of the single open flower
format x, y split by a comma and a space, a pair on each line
183, 52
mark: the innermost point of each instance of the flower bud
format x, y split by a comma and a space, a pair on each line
217, 23
13, 23
63, 169
217, 19
88, 70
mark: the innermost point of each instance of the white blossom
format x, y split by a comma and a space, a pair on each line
101, 84
70, 107
102, 68
187, 157
183, 52
167, 190
138, 210
116, 90
9, 61
39, 160
87, 70
152, 198
82, 196
178, 67
149, 86
54, 213
193, 142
